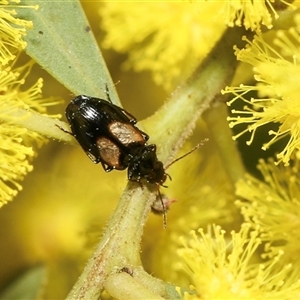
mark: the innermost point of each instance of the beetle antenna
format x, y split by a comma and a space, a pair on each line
186, 154
163, 207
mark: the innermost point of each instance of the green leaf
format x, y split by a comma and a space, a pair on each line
62, 42
27, 286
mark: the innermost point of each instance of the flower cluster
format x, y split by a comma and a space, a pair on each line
16, 145
274, 206
221, 267
169, 55
277, 99
13, 30
230, 235
259, 260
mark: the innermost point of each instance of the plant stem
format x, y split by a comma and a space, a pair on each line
43, 125
222, 135
120, 244
176, 120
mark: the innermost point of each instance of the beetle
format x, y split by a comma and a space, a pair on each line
108, 134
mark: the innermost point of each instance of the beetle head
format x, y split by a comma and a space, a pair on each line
143, 164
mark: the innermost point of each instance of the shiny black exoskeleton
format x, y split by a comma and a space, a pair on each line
107, 133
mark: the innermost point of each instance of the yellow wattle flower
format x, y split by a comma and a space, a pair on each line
12, 31
175, 37
253, 14
16, 142
274, 206
222, 267
168, 38
277, 95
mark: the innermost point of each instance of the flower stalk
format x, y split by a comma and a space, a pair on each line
117, 250
259, 257
216, 119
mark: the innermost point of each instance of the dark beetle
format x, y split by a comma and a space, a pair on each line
107, 134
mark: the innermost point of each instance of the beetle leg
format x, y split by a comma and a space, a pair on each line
169, 176
131, 117
106, 167
64, 130
107, 93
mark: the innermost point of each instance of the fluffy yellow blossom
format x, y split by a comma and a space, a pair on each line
12, 31
199, 200
13, 162
252, 14
171, 38
277, 91
16, 142
274, 206
168, 38
220, 267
